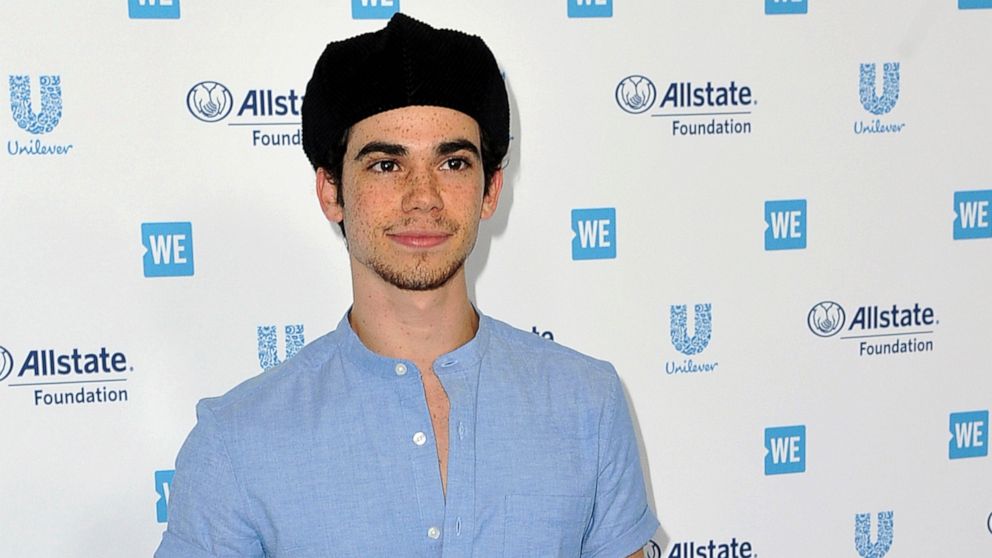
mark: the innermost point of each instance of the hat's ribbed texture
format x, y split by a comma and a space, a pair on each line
407, 63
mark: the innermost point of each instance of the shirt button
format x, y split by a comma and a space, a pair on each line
400, 369
434, 532
420, 439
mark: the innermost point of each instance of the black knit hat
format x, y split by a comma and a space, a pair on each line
407, 63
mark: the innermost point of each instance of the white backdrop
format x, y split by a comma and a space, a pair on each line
84, 479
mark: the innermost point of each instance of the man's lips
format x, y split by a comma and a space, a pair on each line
419, 239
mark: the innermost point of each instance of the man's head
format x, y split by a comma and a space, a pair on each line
407, 63
407, 129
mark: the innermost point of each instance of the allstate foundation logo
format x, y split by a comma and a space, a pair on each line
6, 364
826, 319
862, 535
879, 104
636, 94
72, 377
878, 329
688, 105
37, 123
733, 548
687, 344
264, 111
209, 101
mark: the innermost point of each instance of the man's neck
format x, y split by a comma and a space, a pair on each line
415, 325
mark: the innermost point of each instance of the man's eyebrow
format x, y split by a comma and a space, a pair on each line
449, 147
393, 149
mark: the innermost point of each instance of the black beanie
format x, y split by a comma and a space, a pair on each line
407, 63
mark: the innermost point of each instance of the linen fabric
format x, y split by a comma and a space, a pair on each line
332, 454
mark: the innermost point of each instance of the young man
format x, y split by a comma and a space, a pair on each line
419, 427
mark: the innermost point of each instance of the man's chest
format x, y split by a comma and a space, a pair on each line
516, 483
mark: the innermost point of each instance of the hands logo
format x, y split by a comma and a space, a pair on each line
826, 319
51, 103
209, 101
653, 550
6, 364
636, 94
862, 535
890, 88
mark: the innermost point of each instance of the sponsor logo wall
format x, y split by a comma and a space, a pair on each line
772, 216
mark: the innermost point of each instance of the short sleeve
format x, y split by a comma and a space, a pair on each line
208, 508
621, 522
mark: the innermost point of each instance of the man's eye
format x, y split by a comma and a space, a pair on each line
383, 166
456, 164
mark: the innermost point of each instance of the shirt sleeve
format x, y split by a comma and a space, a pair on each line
208, 508
621, 521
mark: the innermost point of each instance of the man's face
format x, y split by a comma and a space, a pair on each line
412, 184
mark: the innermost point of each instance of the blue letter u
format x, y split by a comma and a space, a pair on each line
704, 328
51, 103
890, 88
862, 535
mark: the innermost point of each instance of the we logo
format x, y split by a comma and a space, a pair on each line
168, 249
785, 225
969, 435
785, 450
595, 235
374, 9
971, 214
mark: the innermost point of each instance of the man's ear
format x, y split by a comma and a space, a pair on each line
327, 193
491, 198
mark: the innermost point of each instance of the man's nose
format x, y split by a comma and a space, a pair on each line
422, 191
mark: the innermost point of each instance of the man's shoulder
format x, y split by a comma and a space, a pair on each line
528, 351
279, 386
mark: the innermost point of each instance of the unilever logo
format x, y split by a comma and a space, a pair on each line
209, 101
826, 319
636, 94
870, 99
679, 328
6, 364
51, 103
862, 535
268, 353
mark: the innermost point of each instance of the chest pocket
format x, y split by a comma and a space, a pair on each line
545, 526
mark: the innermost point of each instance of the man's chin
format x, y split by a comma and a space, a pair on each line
419, 280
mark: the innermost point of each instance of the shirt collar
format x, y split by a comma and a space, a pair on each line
466, 356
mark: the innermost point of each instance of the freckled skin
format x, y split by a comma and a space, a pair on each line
421, 194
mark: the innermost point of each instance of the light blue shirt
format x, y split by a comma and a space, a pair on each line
332, 454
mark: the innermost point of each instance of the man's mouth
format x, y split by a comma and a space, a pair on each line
419, 239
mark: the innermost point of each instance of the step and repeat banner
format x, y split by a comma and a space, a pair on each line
773, 216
